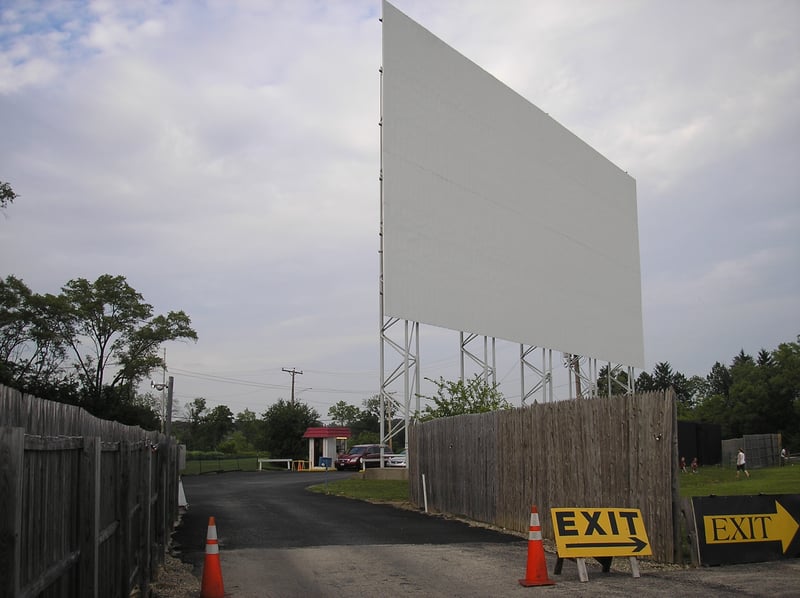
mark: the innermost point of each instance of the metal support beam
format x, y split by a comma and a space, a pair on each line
542, 378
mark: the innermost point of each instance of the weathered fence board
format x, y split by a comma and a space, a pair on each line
88, 504
609, 452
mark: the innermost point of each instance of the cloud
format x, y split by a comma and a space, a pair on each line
224, 157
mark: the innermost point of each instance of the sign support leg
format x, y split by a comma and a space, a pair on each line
583, 575
634, 566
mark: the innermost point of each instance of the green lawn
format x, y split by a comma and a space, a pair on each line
381, 490
722, 481
708, 480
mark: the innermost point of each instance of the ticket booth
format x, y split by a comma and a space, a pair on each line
323, 441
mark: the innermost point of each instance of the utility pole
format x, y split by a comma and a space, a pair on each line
170, 386
293, 373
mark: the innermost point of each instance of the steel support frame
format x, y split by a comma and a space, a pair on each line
612, 381
489, 368
404, 370
542, 379
582, 374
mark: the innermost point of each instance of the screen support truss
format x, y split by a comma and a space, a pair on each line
542, 378
401, 337
489, 368
582, 376
615, 379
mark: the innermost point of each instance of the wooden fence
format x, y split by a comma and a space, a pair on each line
607, 452
88, 504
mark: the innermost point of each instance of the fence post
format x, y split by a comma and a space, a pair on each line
677, 554
90, 516
162, 534
147, 514
12, 451
141, 535
125, 516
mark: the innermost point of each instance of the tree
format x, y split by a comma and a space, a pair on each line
664, 377
194, 415
784, 383
343, 414
32, 352
284, 426
645, 383
764, 358
747, 398
619, 381
107, 323
754, 396
696, 389
108, 329
460, 397
719, 380
248, 424
364, 423
7, 195
218, 424
742, 358
237, 444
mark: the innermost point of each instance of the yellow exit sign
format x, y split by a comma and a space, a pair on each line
597, 532
746, 528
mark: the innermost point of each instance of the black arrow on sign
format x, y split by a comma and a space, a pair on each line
639, 544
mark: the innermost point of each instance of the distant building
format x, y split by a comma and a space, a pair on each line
325, 442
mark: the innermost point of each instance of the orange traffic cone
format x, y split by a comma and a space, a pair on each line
212, 574
536, 572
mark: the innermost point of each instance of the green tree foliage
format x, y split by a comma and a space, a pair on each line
365, 422
248, 424
755, 395
460, 397
284, 426
7, 195
664, 377
190, 432
32, 350
719, 380
237, 444
645, 383
619, 381
343, 414
107, 323
218, 425
90, 345
120, 405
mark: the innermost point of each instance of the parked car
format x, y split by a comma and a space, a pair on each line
397, 460
368, 455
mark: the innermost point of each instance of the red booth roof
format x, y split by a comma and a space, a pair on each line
327, 433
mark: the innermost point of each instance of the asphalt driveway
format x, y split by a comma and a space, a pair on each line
278, 539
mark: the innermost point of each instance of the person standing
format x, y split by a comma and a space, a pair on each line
741, 464
784, 457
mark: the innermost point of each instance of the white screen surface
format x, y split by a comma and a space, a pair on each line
496, 219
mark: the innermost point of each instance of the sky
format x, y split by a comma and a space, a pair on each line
224, 156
